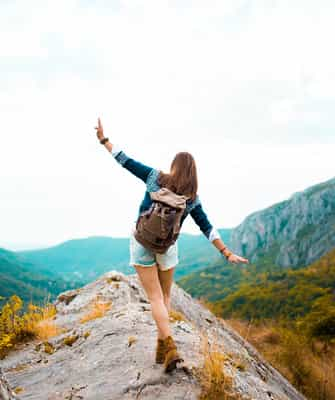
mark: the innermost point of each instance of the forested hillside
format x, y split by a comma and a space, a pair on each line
21, 277
307, 295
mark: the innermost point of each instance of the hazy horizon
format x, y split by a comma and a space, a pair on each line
30, 246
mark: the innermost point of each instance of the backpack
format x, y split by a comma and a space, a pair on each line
158, 227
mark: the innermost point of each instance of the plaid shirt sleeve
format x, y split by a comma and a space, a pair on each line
140, 170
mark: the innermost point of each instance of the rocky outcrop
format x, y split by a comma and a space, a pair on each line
112, 357
6, 393
294, 232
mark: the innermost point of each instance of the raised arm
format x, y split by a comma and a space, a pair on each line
212, 234
140, 170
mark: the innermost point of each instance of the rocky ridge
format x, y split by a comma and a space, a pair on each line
112, 357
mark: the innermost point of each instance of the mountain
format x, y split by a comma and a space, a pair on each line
290, 234
293, 232
30, 282
87, 258
113, 356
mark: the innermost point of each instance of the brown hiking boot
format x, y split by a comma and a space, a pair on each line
160, 351
172, 356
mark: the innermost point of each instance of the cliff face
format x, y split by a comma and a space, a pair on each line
297, 231
112, 357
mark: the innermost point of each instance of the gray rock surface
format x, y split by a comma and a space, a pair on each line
106, 365
297, 231
6, 393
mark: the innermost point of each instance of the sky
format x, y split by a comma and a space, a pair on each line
247, 87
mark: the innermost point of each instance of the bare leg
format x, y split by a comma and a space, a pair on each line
150, 282
166, 280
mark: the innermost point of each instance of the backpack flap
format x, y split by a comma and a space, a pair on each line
166, 196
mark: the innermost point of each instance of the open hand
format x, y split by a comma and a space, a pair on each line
100, 130
234, 259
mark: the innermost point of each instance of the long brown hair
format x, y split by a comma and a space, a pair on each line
183, 178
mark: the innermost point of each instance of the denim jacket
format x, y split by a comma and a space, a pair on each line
149, 176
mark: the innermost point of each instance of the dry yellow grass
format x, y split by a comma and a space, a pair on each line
175, 315
39, 321
97, 310
69, 340
216, 384
303, 363
87, 334
131, 340
115, 281
49, 347
18, 367
46, 329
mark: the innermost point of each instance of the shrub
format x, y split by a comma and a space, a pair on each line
17, 326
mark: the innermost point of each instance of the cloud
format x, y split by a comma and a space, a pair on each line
244, 85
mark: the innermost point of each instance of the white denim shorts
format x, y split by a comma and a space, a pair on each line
139, 255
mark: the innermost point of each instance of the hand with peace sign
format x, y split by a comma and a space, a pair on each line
100, 135
100, 130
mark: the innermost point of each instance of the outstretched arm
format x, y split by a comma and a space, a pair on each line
135, 167
201, 219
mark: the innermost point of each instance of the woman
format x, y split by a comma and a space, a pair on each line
155, 271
